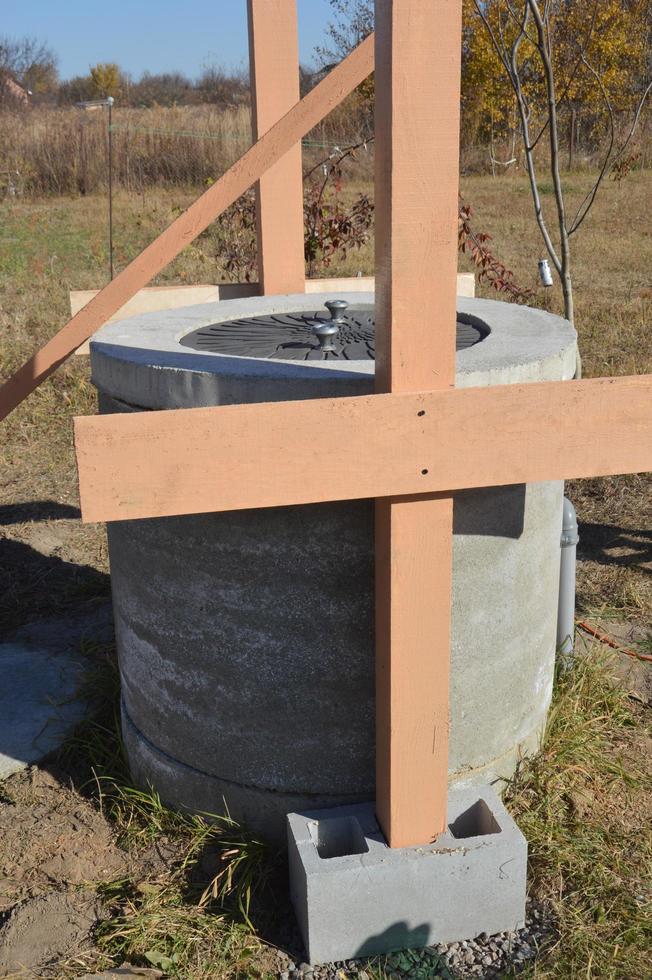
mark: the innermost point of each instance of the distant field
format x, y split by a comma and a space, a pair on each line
64, 151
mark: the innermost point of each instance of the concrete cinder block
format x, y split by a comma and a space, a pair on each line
355, 896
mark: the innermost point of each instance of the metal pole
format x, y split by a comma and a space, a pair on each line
572, 138
109, 103
566, 610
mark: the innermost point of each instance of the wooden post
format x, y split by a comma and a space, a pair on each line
417, 162
274, 72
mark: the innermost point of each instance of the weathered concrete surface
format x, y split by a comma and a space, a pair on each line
246, 639
141, 362
41, 667
355, 896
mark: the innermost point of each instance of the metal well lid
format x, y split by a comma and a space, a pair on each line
346, 334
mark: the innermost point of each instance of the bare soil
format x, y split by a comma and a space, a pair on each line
42, 932
57, 850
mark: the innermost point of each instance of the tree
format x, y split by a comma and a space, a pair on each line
550, 58
487, 99
167, 88
615, 34
106, 80
353, 22
29, 63
221, 88
77, 89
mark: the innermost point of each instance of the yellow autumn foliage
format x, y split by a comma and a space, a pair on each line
106, 80
596, 45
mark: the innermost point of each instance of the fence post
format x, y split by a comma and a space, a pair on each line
417, 164
274, 71
572, 137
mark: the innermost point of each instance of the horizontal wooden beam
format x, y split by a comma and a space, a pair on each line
187, 461
269, 149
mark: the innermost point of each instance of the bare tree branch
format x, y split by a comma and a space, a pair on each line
571, 78
609, 160
529, 158
585, 206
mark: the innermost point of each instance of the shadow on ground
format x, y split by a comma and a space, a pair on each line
36, 510
608, 544
36, 582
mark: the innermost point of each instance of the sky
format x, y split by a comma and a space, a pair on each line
153, 35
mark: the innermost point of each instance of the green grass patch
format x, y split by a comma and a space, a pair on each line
583, 805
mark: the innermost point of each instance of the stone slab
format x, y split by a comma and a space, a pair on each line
40, 671
35, 707
354, 896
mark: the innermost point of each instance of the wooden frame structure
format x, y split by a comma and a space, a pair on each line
411, 444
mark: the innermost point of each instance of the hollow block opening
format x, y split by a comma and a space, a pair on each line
338, 837
475, 822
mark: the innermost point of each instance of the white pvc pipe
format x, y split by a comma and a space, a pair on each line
566, 608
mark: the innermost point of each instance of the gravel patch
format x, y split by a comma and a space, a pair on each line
485, 958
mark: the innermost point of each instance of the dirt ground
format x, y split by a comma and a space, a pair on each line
56, 848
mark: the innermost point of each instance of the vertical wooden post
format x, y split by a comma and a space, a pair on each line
274, 70
418, 50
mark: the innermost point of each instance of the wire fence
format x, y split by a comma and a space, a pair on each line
64, 151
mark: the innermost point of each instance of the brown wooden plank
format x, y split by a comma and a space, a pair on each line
418, 48
153, 464
267, 151
274, 72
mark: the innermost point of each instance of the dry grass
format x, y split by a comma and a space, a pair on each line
583, 805
202, 913
64, 151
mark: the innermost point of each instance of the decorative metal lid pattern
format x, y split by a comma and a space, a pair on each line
292, 336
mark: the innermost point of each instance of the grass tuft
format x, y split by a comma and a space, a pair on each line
184, 906
583, 805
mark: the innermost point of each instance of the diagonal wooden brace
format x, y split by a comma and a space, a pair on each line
269, 149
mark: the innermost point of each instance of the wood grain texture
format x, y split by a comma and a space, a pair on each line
418, 49
185, 461
274, 72
269, 149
